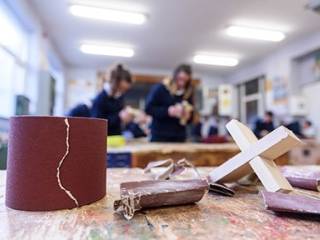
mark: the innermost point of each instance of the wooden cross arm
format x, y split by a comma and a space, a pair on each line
270, 147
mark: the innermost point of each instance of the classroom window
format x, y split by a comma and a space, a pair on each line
13, 56
252, 87
251, 96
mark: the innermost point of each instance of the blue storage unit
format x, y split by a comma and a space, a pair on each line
119, 160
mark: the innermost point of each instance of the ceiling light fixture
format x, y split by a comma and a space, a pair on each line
215, 60
107, 14
255, 33
106, 50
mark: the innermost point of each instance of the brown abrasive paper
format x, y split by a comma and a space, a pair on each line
306, 177
55, 162
135, 196
291, 203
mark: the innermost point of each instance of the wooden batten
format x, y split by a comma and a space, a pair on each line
257, 155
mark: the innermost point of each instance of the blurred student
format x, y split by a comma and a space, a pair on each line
138, 127
109, 103
206, 126
170, 105
294, 125
309, 131
209, 126
264, 126
196, 128
81, 110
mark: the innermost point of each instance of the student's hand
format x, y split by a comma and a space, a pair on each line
263, 133
125, 116
175, 111
179, 110
172, 111
187, 115
141, 118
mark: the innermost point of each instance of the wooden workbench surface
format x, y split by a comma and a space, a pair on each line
214, 217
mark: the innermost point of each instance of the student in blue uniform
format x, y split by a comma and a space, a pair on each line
109, 104
264, 126
165, 104
81, 110
139, 126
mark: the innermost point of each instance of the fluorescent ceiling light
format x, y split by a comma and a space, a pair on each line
255, 33
215, 60
106, 50
107, 14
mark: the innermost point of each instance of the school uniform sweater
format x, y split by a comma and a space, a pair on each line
260, 126
108, 107
81, 110
135, 130
164, 128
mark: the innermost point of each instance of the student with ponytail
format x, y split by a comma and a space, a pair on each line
170, 104
109, 103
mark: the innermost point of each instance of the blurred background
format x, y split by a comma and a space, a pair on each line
256, 61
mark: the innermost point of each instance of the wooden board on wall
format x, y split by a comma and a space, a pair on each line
152, 79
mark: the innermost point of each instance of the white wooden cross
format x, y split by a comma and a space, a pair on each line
257, 155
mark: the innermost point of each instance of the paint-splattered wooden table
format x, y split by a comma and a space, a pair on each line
214, 217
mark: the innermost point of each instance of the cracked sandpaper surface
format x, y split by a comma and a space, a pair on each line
68, 192
38, 148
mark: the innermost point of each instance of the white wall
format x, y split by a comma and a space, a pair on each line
80, 87
42, 58
309, 92
305, 66
288, 63
280, 64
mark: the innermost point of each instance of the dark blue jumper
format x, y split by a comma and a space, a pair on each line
81, 110
163, 127
108, 107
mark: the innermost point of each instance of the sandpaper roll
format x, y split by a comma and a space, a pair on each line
306, 177
55, 162
291, 203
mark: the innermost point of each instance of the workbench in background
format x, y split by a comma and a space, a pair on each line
139, 154
214, 217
